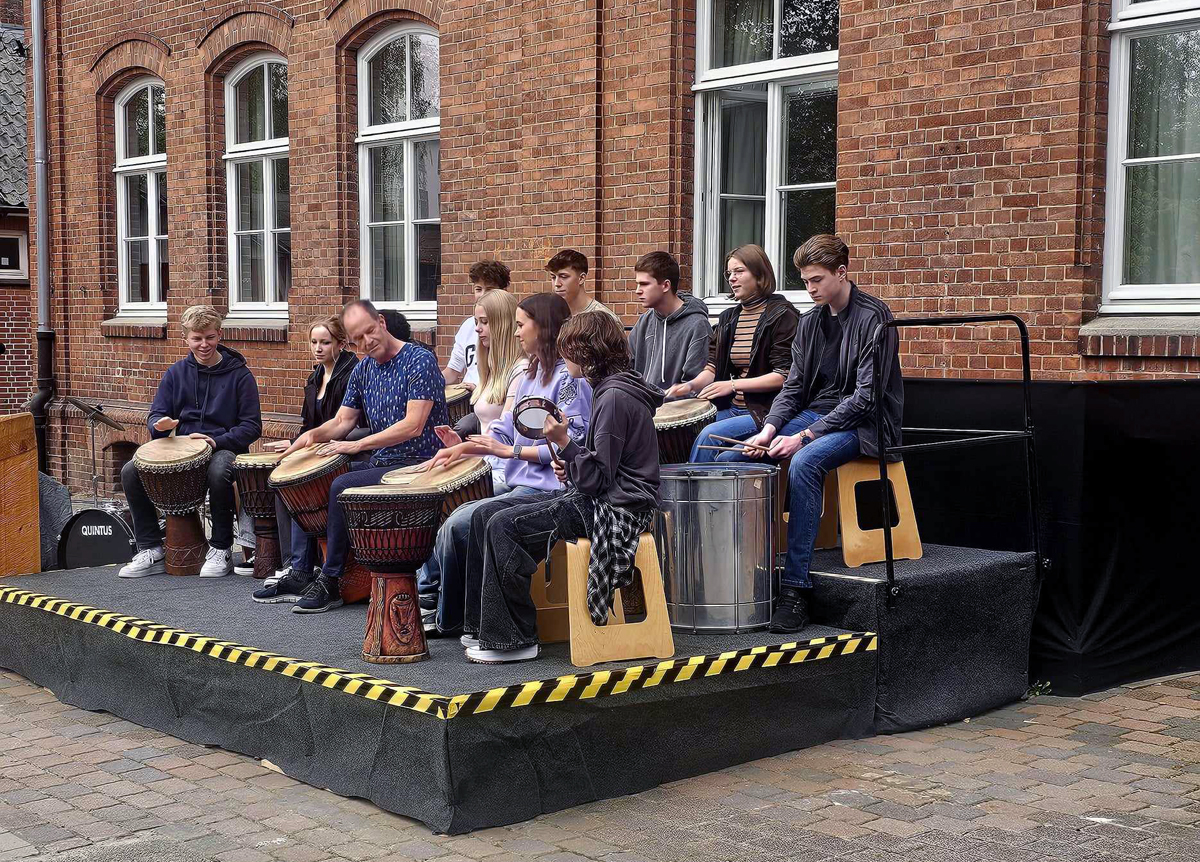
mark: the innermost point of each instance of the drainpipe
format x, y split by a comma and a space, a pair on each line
45, 334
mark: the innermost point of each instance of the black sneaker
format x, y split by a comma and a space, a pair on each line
289, 588
323, 594
791, 612
245, 567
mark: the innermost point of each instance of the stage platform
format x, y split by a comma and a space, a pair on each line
461, 746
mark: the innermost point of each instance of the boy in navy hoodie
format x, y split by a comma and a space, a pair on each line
209, 395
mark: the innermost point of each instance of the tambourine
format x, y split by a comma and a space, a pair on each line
529, 417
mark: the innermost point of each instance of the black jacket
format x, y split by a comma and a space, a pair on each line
860, 319
313, 414
771, 350
619, 459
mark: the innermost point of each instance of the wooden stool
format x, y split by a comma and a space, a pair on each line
619, 640
840, 508
549, 594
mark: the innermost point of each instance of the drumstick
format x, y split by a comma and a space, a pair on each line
721, 448
745, 443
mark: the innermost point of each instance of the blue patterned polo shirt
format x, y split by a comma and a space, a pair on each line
382, 392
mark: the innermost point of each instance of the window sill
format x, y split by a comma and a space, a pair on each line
134, 327
254, 329
1165, 336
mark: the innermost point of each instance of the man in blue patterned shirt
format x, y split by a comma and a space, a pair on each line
400, 388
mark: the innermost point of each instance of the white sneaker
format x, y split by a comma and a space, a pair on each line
217, 563
152, 561
501, 656
469, 642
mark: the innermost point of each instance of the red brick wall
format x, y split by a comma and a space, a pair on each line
18, 308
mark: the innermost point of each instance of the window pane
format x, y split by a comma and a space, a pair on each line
742, 31
387, 183
1164, 95
1162, 224
387, 101
810, 143
283, 265
425, 158
249, 96
250, 196
743, 147
164, 270
387, 263
283, 194
426, 90
429, 261
251, 287
807, 27
138, 258
137, 212
137, 125
805, 214
10, 254
279, 100
161, 182
160, 120
741, 223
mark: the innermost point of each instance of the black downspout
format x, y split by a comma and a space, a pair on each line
45, 393
45, 332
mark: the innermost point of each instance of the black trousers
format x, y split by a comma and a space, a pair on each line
220, 503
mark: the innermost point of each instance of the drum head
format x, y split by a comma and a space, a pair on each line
258, 459
394, 492
683, 412
455, 391
530, 414
95, 537
441, 478
301, 463
170, 451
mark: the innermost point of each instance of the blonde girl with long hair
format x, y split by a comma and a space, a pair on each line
500, 359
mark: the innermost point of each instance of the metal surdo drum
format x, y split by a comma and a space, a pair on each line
462, 482
392, 530
174, 472
678, 424
303, 480
458, 402
251, 472
715, 536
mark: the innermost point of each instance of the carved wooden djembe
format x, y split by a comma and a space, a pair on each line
174, 472
250, 471
392, 530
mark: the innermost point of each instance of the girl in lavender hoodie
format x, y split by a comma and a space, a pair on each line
527, 462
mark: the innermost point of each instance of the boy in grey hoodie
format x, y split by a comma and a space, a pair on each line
669, 342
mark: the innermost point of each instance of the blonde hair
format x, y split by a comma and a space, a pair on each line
496, 359
333, 325
200, 318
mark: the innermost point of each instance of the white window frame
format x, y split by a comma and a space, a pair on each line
1131, 21
409, 133
265, 151
779, 76
152, 166
21, 274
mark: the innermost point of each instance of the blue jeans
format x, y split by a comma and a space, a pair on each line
447, 568
806, 486
337, 537
301, 547
735, 422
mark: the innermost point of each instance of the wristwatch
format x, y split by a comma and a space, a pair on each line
517, 447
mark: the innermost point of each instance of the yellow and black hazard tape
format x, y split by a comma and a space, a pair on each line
603, 683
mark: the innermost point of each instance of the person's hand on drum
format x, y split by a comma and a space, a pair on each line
300, 442
717, 389
757, 445
166, 423
277, 446
449, 455
485, 444
681, 390
212, 444
789, 445
447, 435
555, 432
470, 387
339, 447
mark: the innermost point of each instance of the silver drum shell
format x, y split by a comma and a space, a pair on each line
715, 537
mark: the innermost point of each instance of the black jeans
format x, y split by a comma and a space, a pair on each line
504, 548
220, 503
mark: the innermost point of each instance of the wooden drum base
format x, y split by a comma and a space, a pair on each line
266, 548
186, 545
394, 632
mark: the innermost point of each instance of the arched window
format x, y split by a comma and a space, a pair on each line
258, 186
398, 121
141, 174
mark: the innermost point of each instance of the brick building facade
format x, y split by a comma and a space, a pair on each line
970, 171
16, 300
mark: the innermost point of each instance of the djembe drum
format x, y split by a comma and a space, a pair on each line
678, 424
392, 530
251, 472
303, 480
462, 482
458, 402
174, 472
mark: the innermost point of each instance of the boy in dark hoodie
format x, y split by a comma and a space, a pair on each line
611, 498
209, 395
669, 342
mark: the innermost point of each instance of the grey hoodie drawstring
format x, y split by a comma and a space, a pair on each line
662, 363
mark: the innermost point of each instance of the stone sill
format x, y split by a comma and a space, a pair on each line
254, 329
1159, 337
134, 327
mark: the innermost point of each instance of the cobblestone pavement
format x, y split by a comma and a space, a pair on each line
1114, 775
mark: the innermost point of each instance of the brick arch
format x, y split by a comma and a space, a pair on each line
248, 23
126, 57
352, 22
